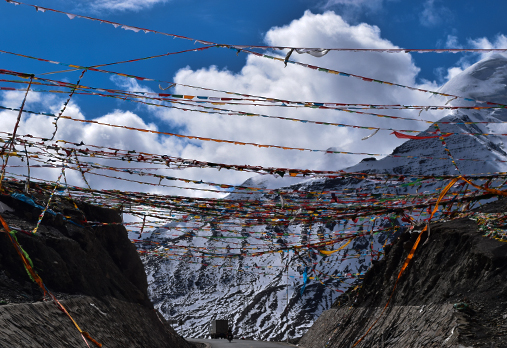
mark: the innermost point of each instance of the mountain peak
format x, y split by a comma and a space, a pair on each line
485, 80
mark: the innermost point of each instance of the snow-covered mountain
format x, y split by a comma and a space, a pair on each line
252, 292
262, 296
485, 81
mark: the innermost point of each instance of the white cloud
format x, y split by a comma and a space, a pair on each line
499, 42
454, 71
433, 14
124, 5
263, 77
452, 42
89, 134
369, 4
353, 9
129, 84
269, 78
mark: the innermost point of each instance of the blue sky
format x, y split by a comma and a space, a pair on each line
383, 23
407, 24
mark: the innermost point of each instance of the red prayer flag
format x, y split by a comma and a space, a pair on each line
406, 136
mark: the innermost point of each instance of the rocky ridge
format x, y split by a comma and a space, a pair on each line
452, 294
94, 272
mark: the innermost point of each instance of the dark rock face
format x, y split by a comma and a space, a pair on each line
95, 273
452, 293
97, 261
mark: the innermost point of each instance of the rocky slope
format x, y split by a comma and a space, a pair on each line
452, 294
94, 272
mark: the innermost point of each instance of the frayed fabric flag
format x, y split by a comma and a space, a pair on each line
416, 137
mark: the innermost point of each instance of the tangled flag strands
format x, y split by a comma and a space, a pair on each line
177, 163
246, 101
194, 137
96, 166
123, 96
14, 134
52, 158
314, 51
313, 222
312, 67
191, 137
396, 132
253, 213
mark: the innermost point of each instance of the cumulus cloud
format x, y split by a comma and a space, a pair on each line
263, 77
269, 78
90, 134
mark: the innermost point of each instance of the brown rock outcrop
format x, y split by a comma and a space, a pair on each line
453, 294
